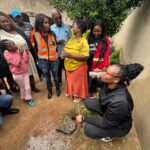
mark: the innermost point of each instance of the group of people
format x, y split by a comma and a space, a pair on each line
46, 49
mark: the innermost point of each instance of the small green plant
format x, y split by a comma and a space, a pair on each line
115, 57
72, 112
88, 112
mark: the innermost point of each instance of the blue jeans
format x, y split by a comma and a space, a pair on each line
46, 67
5, 103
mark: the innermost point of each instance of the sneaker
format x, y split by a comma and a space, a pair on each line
106, 139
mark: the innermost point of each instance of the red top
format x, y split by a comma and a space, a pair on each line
104, 62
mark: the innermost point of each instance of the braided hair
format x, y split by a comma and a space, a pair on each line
129, 72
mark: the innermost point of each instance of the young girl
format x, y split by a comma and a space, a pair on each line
99, 51
18, 60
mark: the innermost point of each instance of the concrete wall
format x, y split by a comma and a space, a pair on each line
36, 6
134, 40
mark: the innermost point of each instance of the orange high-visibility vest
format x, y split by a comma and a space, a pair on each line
47, 52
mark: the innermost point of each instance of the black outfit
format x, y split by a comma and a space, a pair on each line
92, 45
4, 69
60, 68
115, 113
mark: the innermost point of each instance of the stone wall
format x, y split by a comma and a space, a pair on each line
134, 40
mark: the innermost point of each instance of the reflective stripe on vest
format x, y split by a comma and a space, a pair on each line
98, 59
45, 51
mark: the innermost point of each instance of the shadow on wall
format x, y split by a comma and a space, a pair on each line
136, 29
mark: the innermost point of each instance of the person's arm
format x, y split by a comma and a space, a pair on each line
60, 42
34, 48
74, 56
15, 61
112, 117
83, 56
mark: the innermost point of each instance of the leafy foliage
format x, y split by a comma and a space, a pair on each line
115, 57
113, 12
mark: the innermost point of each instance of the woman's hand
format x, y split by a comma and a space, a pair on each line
65, 54
97, 70
26, 50
79, 119
21, 51
60, 42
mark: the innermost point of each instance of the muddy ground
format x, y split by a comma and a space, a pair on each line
35, 128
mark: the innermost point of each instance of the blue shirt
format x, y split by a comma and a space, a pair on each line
62, 33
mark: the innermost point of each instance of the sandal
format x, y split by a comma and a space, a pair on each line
31, 102
77, 100
10, 111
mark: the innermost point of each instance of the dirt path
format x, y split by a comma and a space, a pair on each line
42, 118
34, 128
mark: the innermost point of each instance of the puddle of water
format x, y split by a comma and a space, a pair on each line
52, 140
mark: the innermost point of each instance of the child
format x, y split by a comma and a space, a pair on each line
18, 60
99, 51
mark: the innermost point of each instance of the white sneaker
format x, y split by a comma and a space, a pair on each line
106, 139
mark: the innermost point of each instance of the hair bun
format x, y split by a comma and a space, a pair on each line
133, 70
82, 25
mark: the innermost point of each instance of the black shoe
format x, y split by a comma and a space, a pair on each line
10, 111
34, 89
49, 95
58, 93
15, 90
8, 92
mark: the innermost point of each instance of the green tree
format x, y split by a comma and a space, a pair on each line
113, 12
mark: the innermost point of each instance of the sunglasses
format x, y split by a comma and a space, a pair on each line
57, 18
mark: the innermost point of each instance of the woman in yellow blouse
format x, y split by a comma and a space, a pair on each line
76, 53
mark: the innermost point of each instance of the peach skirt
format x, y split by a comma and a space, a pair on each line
76, 82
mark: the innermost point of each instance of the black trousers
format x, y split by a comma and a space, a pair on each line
95, 132
60, 68
92, 85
